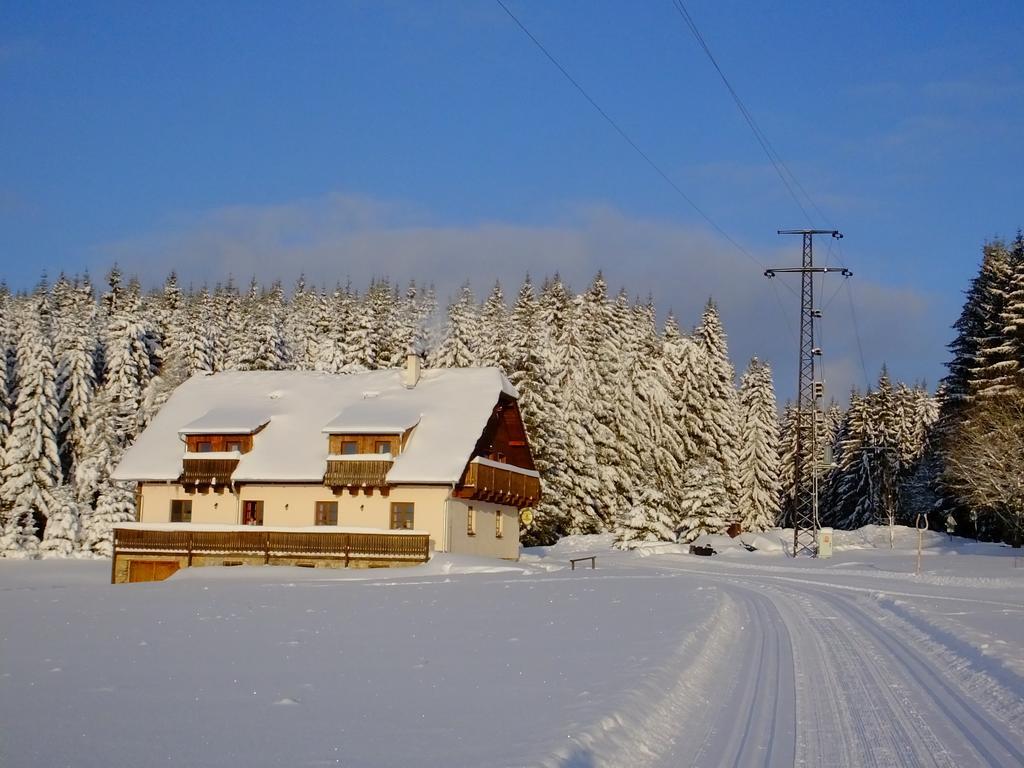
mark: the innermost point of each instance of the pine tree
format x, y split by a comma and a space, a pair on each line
31, 462
6, 404
759, 452
722, 412
116, 504
704, 507
60, 537
531, 377
456, 349
75, 344
132, 359
492, 331
646, 521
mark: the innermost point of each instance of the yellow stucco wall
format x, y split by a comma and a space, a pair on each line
295, 505
485, 542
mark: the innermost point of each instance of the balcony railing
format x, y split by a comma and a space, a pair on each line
347, 473
207, 471
271, 544
487, 482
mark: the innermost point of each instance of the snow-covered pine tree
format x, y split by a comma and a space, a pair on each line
60, 538
975, 327
492, 331
456, 349
132, 359
361, 346
75, 345
532, 379
1010, 351
610, 348
381, 301
301, 337
262, 338
646, 521
722, 415
408, 332
657, 439
685, 363
7, 324
703, 506
759, 450
31, 469
995, 368
787, 467
116, 504
572, 378
227, 324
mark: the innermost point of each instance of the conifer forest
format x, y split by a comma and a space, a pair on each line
640, 428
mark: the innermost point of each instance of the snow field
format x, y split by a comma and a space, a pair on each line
657, 658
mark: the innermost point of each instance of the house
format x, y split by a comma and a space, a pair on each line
317, 469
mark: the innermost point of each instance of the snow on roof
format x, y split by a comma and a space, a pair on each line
230, 420
453, 406
375, 415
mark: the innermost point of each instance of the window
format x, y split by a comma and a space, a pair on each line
471, 522
327, 513
401, 514
499, 524
382, 446
234, 445
181, 511
252, 513
350, 447
204, 446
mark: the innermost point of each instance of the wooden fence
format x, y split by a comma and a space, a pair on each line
270, 544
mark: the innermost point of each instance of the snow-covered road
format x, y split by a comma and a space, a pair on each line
655, 659
828, 676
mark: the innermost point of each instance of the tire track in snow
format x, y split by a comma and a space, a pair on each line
759, 730
869, 693
643, 734
991, 745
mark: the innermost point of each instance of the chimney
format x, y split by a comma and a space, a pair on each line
411, 374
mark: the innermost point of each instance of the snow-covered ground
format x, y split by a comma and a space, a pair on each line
655, 658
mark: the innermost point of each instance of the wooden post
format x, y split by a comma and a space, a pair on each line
113, 561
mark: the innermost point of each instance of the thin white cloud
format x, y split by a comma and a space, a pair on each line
338, 237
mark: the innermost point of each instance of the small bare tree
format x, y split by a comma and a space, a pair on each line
985, 463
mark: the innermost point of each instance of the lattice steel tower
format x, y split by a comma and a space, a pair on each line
810, 419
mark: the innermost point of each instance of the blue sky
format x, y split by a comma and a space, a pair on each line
434, 141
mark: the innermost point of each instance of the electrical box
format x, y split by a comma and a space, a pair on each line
825, 543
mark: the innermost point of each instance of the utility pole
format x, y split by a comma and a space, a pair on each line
810, 419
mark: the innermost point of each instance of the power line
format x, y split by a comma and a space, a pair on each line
618, 129
773, 156
856, 333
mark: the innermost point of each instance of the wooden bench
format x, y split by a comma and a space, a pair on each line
591, 558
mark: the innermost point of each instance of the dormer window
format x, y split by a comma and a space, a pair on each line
382, 446
349, 447
233, 445
204, 446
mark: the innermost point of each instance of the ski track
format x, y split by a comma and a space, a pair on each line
818, 676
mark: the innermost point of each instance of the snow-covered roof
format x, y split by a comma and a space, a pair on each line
452, 406
376, 414
228, 420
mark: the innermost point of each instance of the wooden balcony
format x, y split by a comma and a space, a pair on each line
487, 482
254, 546
356, 474
207, 471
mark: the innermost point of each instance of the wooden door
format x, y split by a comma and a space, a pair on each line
151, 570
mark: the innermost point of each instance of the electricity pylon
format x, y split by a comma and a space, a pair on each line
810, 419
